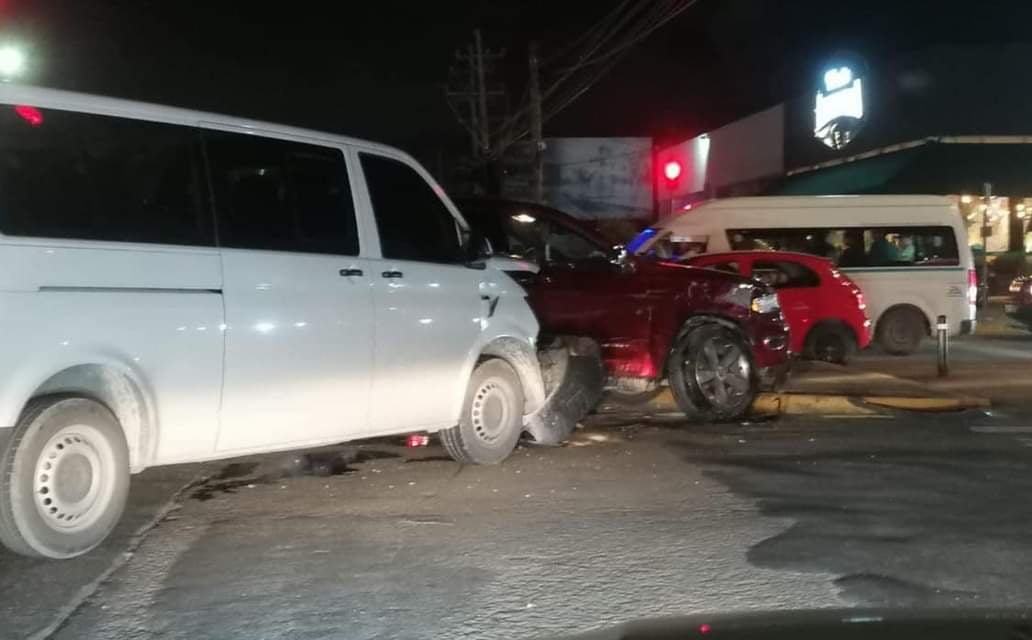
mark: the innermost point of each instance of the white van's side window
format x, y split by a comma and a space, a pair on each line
886, 246
411, 219
281, 195
93, 177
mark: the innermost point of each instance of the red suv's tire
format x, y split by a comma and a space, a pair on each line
711, 373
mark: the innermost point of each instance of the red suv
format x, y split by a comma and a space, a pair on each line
823, 307
716, 336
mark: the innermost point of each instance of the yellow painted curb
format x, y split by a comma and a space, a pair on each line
809, 403
928, 404
839, 405
817, 404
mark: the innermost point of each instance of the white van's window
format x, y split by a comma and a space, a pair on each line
858, 246
411, 219
281, 195
669, 245
75, 175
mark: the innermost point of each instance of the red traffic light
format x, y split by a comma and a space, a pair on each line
672, 170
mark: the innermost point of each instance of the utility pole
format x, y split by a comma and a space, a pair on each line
473, 97
987, 230
534, 89
485, 135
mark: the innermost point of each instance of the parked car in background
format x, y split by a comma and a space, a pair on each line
1019, 300
717, 337
823, 307
908, 254
186, 286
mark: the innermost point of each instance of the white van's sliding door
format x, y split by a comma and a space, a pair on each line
110, 268
299, 340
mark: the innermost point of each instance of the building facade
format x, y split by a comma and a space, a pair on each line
949, 120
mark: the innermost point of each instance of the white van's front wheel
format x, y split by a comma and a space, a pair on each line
64, 478
492, 416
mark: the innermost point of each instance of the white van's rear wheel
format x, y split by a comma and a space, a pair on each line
901, 330
492, 416
64, 478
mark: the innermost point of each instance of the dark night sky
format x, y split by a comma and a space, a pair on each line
375, 69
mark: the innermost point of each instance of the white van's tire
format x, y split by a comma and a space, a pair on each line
901, 330
492, 416
64, 478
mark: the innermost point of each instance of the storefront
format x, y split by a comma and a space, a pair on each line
948, 121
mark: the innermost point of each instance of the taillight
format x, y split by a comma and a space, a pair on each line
972, 292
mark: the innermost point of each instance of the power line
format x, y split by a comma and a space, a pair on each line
642, 25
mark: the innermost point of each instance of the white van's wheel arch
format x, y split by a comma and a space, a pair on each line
523, 359
120, 394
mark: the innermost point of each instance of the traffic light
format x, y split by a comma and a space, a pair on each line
672, 170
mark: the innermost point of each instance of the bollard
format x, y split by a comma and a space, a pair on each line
942, 330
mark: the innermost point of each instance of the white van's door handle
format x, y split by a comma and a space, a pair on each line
350, 272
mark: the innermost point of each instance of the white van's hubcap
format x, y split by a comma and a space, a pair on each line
490, 411
74, 475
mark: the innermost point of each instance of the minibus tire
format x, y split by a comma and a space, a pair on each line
64, 478
901, 330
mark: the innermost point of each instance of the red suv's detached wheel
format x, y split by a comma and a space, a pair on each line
711, 373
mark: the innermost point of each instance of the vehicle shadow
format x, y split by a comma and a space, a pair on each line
925, 523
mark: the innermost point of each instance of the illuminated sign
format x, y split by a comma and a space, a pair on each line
839, 107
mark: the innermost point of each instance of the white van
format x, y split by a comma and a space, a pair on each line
182, 286
909, 254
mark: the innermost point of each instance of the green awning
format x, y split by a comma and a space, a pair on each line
935, 167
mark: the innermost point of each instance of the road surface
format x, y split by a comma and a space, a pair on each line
631, 520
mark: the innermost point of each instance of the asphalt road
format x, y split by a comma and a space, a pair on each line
631, 520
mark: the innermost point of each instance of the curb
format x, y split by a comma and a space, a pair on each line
827, 404
787, 403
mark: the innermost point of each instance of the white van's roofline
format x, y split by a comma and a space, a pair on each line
84, 102
805, 202
927, 208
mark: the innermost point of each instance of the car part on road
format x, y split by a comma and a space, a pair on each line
711, 375
574, 375
830, 342
64, 478
900, 330
492, 416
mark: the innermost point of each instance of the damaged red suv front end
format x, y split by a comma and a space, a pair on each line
716, 337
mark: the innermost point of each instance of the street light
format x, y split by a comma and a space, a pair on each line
12, 62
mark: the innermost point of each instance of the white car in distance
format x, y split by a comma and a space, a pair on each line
183, 286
